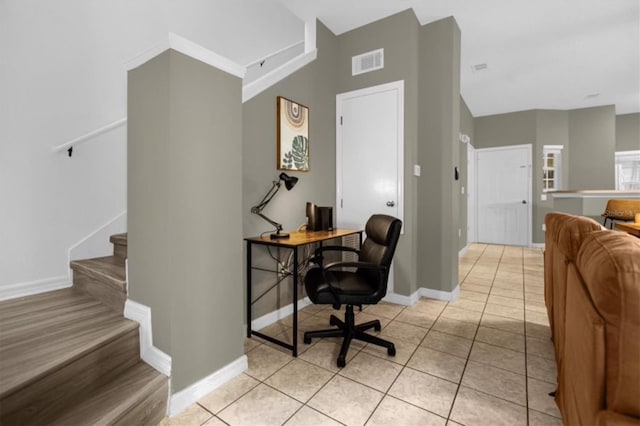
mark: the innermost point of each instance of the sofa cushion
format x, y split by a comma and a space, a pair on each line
609, 263
563, 237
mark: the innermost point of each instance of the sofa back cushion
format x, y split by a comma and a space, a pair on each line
609, 264
563, 238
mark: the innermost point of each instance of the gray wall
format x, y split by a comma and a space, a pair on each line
519, 128
438, 153
588, 138
316, 86
628, 132
515, 128
592, 145
313, 86
552, 128
185, 223
398, 35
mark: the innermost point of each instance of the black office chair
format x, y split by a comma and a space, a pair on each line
333, 285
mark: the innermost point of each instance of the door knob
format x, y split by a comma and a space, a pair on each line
524, 201
390, 204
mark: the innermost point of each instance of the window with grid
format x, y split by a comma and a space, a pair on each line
628, 170
551, 167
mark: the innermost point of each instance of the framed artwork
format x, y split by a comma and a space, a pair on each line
293, 136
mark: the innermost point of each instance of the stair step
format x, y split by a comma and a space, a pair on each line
103, 278
108, 270
119, 242
31, 349
61, 347
138, 396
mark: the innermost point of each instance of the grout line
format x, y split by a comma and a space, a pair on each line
455, 396
526, 357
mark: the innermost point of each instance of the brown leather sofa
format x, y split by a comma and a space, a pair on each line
592, 293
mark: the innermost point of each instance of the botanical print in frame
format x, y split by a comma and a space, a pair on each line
293, 136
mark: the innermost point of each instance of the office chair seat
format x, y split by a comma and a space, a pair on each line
353, 288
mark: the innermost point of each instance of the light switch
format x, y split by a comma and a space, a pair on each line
543, 197
416, 170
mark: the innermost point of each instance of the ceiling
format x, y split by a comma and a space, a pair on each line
547, 54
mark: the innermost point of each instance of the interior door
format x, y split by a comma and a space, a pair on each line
504, 195
471, 195
369, 155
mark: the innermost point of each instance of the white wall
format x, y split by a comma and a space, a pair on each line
62, 75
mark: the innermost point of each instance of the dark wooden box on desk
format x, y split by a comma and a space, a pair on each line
296, 239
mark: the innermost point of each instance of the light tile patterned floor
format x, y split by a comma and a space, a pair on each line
485, 359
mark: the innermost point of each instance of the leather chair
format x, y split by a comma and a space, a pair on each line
621, 210
334, 285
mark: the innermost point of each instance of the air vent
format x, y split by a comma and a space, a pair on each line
479, 67
367, 62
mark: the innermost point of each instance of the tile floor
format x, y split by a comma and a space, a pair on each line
485, 359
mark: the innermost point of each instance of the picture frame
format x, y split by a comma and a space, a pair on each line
292, 136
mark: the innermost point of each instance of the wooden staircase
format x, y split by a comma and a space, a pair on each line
69, 357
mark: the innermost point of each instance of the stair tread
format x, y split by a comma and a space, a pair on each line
114, 399
50, 330
120, 239
109, 269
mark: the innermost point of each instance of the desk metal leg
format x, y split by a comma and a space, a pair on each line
295, 301
249, 288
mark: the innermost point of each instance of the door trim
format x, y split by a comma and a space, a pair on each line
529, 189
397, 86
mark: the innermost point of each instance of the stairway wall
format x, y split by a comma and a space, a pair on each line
184, 218
62, 78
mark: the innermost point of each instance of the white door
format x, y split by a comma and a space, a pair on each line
369, 147
471, 194
504, 195
369, 155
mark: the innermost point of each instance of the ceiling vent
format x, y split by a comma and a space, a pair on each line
367, 62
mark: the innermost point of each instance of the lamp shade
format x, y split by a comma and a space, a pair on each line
289, 181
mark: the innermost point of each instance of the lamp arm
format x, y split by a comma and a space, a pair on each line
274, 223
265, 200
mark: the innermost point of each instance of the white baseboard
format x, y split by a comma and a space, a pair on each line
538, 245
13, 291
448, 296
150, 354
400, 299
463, 251
186, 397
270, 318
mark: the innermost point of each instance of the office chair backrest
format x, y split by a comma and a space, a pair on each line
383, 232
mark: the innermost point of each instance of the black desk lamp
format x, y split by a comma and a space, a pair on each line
289, 182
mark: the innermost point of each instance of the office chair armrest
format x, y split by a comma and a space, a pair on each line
358, 264
318, 257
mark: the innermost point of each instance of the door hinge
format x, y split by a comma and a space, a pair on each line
341, 120
340, 202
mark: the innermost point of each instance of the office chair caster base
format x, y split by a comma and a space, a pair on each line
341, 362
307, 340
391, 350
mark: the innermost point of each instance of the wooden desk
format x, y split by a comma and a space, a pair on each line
296, 239
631, 228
